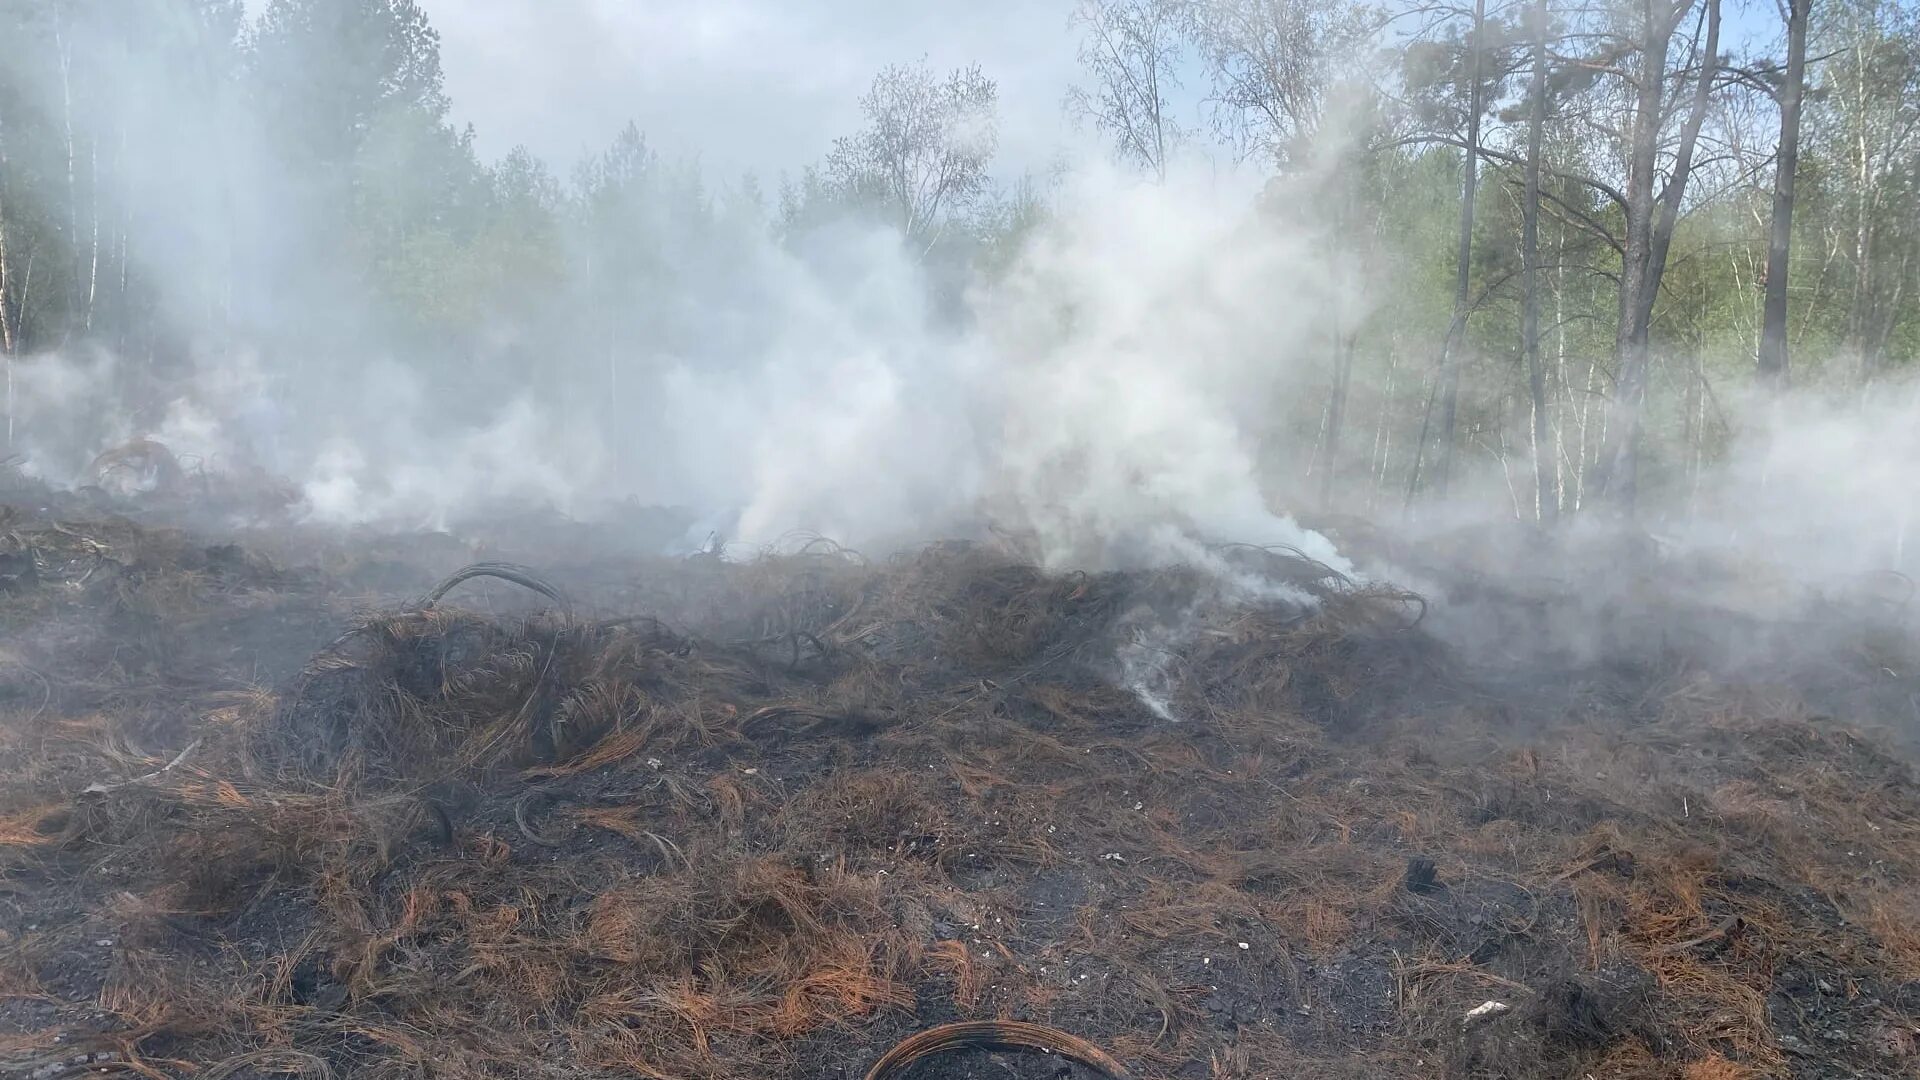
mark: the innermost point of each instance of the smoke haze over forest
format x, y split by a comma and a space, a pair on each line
1107, 274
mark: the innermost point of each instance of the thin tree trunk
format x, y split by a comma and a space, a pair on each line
1568, 407
1319, 441
1591, 442
1429, 387
1546, 492
1774, 364
1630, 348
63, 47
1503, 454
1469, 186
613, 370
93, 243
1343, 342
7, 339
1383, 432
1697, 420
1674, 194
1420, 443
1862, 218
1151, 46
20, 318
1336, 413
1890, 314
123, 303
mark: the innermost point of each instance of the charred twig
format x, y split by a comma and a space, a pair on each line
994, 1035
59, 1065
659, 634
1404, 596
1293, 565
46, 684
276, 1061
1470, 970
1908, 588
143, 458
435, 817
518, 575
523, 807
1728, 928
100, 787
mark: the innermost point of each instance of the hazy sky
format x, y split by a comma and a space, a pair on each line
761, 85
749, 84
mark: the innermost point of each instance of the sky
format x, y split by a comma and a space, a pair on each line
748, 85
764, 86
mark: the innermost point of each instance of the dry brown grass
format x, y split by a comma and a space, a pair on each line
1715, 1067
861, 797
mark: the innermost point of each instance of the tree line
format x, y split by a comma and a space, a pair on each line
1615, 218
1601, 222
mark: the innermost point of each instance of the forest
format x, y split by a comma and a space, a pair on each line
1603, 228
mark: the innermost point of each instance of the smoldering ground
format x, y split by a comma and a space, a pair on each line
762, 817
893, 653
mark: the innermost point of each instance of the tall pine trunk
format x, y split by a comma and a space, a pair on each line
1546, 491
1463, 273
1774, 363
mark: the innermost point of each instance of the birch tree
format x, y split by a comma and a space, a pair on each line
925, 149
1132, 50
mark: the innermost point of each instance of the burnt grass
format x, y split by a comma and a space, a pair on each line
265, 815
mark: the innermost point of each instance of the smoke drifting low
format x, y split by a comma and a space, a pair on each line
1820, 482
1108, 397
1142, 373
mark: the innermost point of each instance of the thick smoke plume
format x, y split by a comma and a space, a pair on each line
1138, 378
1108, 398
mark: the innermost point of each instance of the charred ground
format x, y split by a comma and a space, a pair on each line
269, 813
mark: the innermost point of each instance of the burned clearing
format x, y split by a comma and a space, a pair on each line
1341, 539
267, 815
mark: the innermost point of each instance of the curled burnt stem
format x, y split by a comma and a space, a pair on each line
509, 572
994, 1035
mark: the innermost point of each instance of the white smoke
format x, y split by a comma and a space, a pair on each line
1822, 482
1155, 334
1109, 396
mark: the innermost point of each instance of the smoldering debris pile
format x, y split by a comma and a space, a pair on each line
700, 818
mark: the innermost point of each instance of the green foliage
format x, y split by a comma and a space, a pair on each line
307, 194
